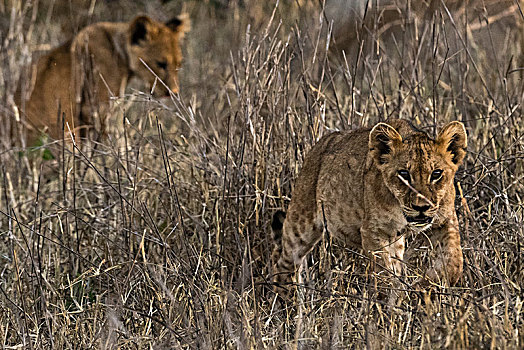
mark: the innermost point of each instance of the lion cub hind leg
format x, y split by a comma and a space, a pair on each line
294, 238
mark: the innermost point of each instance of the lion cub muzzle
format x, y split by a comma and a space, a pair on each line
419, 216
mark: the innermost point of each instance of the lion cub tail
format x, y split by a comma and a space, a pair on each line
277, 225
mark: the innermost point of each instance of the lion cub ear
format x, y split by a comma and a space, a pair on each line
383, 139
139, 28
453, 140
180, 24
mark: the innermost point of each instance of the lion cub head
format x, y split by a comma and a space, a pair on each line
417, 169
158, 46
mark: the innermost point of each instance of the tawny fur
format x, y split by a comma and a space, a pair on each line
351, 182
83, 74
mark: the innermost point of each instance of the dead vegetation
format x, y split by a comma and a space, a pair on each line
159, 236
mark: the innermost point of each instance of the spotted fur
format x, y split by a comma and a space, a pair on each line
371, 186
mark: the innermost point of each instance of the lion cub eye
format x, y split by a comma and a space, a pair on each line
436, 175
405, 175
161, 64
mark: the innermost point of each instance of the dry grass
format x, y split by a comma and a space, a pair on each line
159, 236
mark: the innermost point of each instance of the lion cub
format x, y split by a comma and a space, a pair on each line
370, 187
82, 74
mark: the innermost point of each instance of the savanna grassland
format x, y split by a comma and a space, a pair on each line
158, 235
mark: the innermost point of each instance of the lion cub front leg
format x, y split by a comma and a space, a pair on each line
447, 268
386, 253
385, 250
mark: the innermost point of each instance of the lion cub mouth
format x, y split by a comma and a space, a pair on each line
419, 220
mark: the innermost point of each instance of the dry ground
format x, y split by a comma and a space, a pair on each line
159, 236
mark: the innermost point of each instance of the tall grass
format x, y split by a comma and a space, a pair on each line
159, 237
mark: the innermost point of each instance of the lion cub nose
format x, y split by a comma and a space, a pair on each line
420, 208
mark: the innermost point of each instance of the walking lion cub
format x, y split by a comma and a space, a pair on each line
81, 75
371, 187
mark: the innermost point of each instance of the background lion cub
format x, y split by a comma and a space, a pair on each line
85, 72
370, 187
